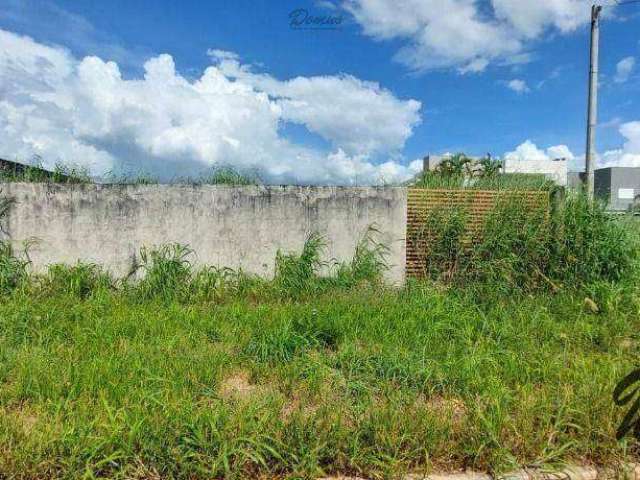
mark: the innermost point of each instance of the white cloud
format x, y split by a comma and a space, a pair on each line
629, 154
441, 33
624, 68
528, 158
358, 116
326, 4
462, 33
518, 86
530, 19
560, 151
83, 111
474, 66
528, 155
529, 151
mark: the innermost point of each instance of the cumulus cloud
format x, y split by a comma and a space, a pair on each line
358, 116
461, 33
529, 151
518, 86
528, 158
629, 154
83, 111
624, 68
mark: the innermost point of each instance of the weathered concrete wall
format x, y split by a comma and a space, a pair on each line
238, 227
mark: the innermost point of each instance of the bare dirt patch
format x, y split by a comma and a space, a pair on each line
238, 386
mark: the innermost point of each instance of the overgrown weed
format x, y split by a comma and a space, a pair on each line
13, 268
166, 271
523, 247
341, 379
80, 280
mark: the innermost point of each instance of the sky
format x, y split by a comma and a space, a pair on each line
311, 91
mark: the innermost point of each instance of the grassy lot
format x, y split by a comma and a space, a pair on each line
372, 382
506, 357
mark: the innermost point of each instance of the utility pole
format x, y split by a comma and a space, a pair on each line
592, 112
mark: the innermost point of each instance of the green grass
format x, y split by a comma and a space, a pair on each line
501, 181
220, 175
177, 372
368, 381
62, 173
522, 248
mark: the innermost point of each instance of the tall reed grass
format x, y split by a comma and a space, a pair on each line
520, 247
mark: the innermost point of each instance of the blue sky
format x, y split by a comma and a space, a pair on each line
532, 85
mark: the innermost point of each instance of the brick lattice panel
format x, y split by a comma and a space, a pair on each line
477, 205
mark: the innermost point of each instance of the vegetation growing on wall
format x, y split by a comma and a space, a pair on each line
62, 173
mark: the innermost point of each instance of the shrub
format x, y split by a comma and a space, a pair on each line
513, 246
592, 244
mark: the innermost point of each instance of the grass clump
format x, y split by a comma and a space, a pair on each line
368, 264
298, 273
61, 173
80, 280
306, 272
228, 176
166, 271
523, 247
13, 269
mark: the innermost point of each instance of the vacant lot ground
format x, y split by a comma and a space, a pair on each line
366, 381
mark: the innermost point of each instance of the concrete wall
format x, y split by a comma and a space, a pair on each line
553, 169
618, 186
238, 227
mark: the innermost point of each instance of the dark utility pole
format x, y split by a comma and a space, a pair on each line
592, 112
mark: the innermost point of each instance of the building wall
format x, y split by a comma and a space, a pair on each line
555, 170
602, 185
237, 227
624, 186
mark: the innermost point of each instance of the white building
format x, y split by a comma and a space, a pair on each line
527, 158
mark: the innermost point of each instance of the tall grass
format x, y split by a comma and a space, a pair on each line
520, 247
166, 271
81, 280
220, 175
369, 261
296, 273
226, 175
61, 173
13, 269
